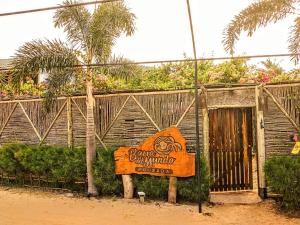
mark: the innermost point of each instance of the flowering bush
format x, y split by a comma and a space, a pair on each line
170, 76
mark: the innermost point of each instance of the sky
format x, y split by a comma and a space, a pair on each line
162, 32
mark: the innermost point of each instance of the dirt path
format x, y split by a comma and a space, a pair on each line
23, 207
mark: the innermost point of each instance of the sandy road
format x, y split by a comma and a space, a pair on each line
23, 207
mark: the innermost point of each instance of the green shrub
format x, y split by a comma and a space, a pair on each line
54, 163
187, 187
65, 166
107, 182
283, 177
9, 161
154, 187
33, 161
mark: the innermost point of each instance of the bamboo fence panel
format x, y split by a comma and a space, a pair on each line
166, 110
129, 118
278, 128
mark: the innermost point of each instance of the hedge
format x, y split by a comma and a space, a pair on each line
65, 167
283, 177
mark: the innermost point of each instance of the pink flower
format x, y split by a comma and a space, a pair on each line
101, 77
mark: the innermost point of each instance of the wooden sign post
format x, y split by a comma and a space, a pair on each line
163, 154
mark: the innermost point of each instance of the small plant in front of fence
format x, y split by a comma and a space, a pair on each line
283, 177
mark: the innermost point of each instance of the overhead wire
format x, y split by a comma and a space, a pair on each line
55, 7
179, 60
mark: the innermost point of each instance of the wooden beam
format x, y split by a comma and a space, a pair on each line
230, 106
80, 111
70, 123
29, 120
149, 117
282, 109
172, 190
51, 125
205, 124
260, 140
128, 186
185, 112
115, 119
8, 118
229, 88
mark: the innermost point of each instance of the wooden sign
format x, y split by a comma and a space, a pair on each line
163, 154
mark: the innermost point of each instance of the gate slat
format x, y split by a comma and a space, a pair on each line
236, 150
232, 151
230, 154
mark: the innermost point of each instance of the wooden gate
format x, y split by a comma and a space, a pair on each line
230, 149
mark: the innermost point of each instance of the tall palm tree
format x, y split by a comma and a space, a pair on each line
91, 37
260, 14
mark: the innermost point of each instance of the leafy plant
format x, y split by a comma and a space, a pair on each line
283, 177
187, 188
107, 182
154, 187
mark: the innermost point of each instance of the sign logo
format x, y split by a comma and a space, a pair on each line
165, 145
163, 154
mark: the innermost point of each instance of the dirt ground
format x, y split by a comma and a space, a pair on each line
27, 207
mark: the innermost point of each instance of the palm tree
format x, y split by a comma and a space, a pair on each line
91, 37
260, 14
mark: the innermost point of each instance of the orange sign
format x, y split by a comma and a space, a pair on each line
163, 154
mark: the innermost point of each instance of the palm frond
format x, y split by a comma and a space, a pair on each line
109, 21
126, 70
76, 23
56, 81
294, 40
258, 14
38, 55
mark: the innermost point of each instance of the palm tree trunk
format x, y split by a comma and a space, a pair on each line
90, 138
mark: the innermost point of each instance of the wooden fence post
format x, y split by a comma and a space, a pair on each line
70, 123
205, 125
260, 141
172, 190
128, 186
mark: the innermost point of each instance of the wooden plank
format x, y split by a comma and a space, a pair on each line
128, 186
245, 146
241, 149
237, 151
172, 190
70, 123
211, 146
219, 136
251, 129
260, 139
232, 149
205, 132
216, 151
228, 138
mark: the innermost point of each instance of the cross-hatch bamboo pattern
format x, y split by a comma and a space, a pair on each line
129, 118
